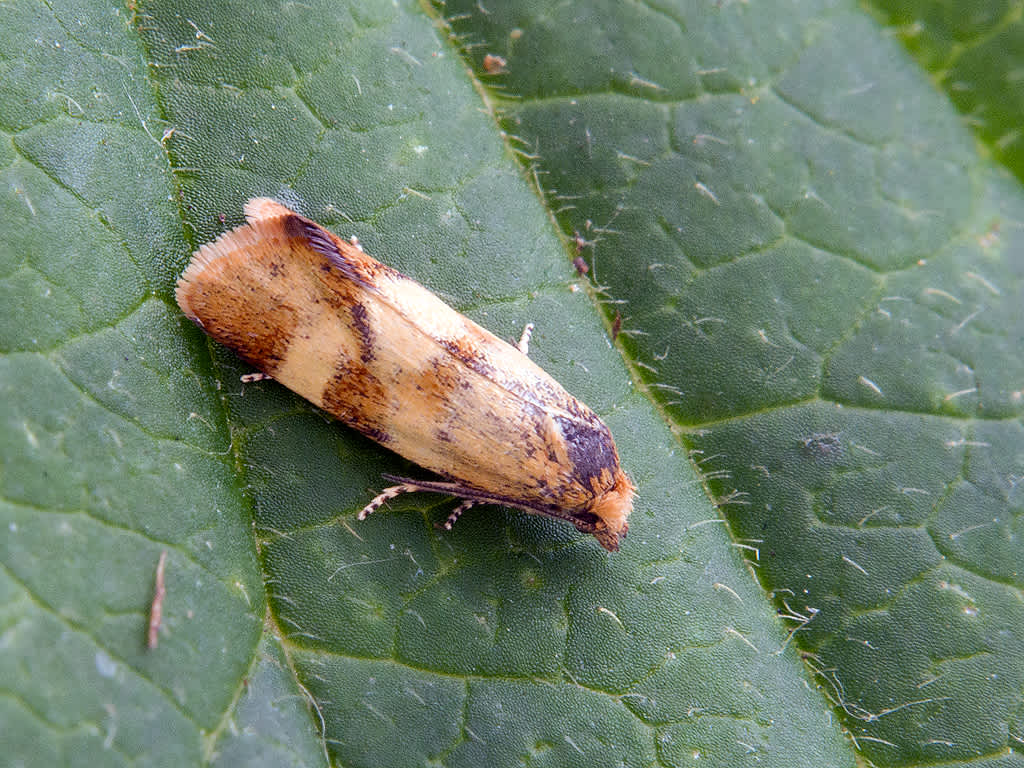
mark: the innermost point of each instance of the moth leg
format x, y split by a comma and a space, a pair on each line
252, 378
385, 495
524, 340
457, 512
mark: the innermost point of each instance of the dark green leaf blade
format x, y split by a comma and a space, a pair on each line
822, 283
132, 138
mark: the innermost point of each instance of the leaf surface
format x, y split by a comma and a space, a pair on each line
818, 286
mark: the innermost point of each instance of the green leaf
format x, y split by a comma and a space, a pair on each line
819, 286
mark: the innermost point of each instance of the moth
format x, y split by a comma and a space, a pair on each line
384, 355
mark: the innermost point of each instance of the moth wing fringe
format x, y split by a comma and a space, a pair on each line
262, 208
246, 237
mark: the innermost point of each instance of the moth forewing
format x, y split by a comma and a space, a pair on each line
386, 356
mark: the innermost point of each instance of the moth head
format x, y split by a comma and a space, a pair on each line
612, 508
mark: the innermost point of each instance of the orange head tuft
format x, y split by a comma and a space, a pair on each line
612, 508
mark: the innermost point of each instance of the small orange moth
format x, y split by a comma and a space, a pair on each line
386, 356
